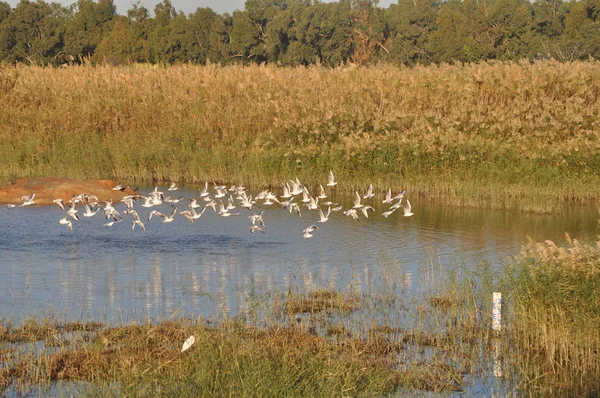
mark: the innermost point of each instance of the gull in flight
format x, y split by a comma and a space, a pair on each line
357, 204
166, 218
89, 212
324, 217
27, 200
204, 192
73, 212
307, 233
135, 222
194, 203
352, 213
286, 192
191, 214
322, 195
60, 203
370, 193
254, 228
111, 223
254, 218
407, 209
332, 181
64, 221
388, 197
365, 212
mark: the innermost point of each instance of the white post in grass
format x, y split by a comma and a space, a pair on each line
497, 311
497, 326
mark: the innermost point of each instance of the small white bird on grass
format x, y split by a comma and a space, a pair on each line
188, 343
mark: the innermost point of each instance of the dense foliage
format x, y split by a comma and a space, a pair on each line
302, 32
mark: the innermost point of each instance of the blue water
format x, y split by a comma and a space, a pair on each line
209, 268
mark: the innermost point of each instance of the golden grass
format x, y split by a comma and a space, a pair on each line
491, 134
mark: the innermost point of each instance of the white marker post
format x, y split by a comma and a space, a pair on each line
497, 311
497, 326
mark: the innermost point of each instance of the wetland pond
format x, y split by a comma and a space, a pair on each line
210, 267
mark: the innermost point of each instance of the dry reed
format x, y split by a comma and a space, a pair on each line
485, 134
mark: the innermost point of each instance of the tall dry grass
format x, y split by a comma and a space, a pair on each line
485, 134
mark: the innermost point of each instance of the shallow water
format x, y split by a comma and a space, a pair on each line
209, 267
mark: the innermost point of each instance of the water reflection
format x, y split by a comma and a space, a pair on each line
211, 267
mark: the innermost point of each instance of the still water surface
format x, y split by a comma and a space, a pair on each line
206, 268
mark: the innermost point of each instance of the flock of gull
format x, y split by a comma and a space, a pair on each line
223, 201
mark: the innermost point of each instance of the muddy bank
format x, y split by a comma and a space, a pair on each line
47, 189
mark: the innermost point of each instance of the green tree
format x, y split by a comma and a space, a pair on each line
197, 40
5, 10
89, 23
33, 33
581, 38
411, 25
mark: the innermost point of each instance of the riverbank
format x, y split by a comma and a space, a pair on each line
495, 134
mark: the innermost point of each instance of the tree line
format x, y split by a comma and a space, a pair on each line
301, 32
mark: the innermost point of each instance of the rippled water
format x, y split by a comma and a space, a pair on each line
202, 268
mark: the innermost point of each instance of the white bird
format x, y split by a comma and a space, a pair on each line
89, 212
140, 223
351, 213
60, 203
191, 214
204, 192
64, 221
119, 187
357, 204
73, 212
324, 217
254, 218
401, 195
332, 181
173, 187
254, 228
407, 209
111, 223
365, 212
388, 196
166, 218
188, 343
27, 200
313, 204
388, 213
194, 203
307, 233
370, 193
322, 195
286, 192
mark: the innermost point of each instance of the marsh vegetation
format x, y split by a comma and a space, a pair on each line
493, 134
329, 342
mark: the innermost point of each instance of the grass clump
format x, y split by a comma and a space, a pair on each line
556, 317
322, 300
